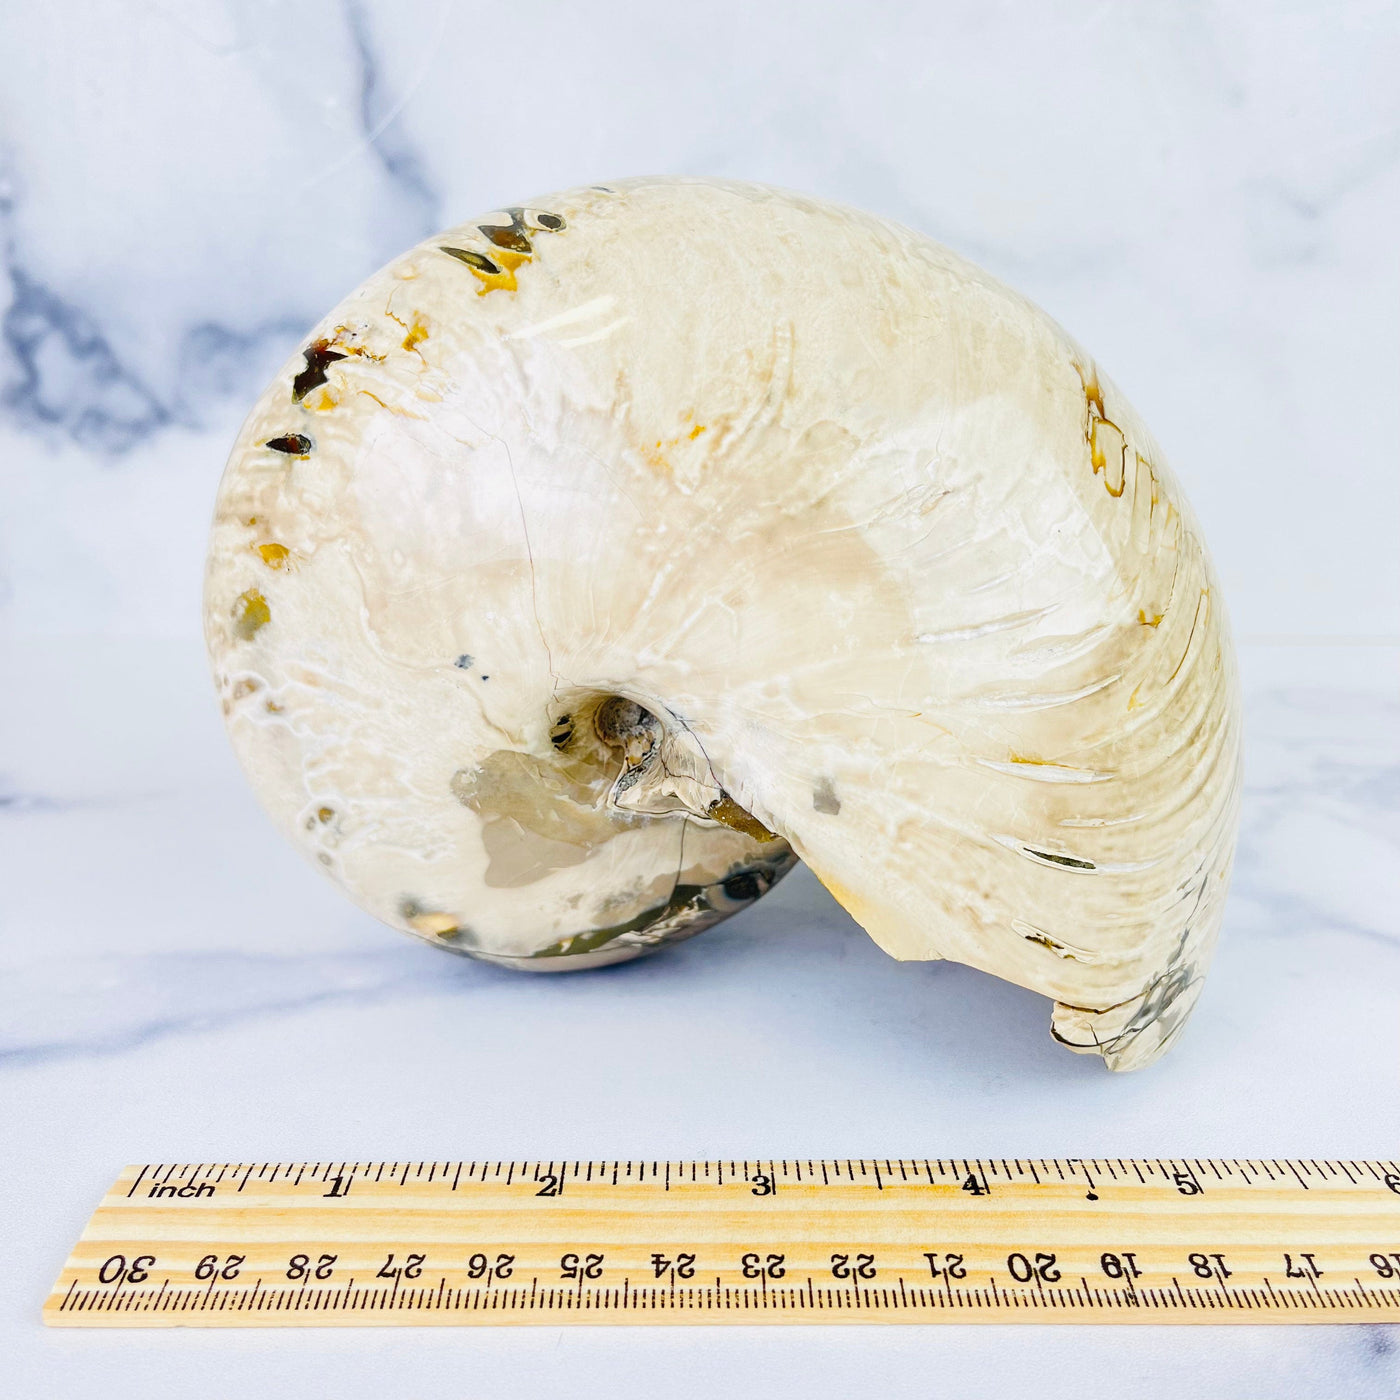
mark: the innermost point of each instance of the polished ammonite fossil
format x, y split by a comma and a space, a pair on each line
602, 556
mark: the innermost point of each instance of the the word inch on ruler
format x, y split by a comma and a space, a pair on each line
877, 1240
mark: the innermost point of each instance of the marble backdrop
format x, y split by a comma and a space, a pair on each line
1206, 195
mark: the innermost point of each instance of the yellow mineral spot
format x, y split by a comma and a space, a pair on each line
656, 452
844, 897
274, 555
1108, 452
866, 913
1150, 620
1089, 381
434, 925
250, 612
1108, 444
656, 458
496, 272
324, 814
417, 333
729, 813
495, 277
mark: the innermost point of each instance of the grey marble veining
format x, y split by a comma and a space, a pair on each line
109, 1005
1204, 196
73, 367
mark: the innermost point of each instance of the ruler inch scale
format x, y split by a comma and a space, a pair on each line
1198, 1240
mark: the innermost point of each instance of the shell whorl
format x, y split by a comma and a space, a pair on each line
598, 555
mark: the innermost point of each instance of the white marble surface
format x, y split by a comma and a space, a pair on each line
1206, 196
177, 984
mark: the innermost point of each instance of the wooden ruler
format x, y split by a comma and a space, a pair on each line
1063, 1240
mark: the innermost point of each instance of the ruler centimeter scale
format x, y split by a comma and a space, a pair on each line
452, 1243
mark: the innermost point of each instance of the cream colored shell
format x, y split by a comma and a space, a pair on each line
895, 575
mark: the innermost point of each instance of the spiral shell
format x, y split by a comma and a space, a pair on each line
598, 555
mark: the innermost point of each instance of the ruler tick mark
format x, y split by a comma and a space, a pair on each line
764, 1263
